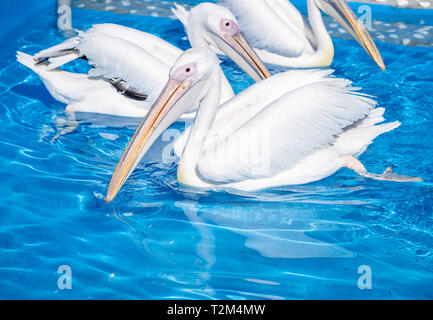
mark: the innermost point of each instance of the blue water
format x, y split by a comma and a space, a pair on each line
157, 241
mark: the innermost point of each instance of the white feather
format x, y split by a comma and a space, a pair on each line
56, 62
296, 125
281, 35
181, 13
59, 50
82, 93
160, 49
356, 139
140, 59
256, 97
128, 62
270, 27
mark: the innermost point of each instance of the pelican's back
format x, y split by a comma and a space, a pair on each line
274, 25
303, 119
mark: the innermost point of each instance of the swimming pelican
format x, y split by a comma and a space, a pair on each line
130, 67
302, 124
281, 36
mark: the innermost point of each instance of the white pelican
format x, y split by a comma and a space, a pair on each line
281, 36
302, 124
130, 67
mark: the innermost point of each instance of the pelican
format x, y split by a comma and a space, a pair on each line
302, 124
130, 67
281, 36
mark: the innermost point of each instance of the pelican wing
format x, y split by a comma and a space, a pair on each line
293, 18
160, 49
262, 142
249, 102
115, 58
274, 25
66, 51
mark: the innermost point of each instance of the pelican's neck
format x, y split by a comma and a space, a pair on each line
199, 132
324, 42
197, 36
195, 30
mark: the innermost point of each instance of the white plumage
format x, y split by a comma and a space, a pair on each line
296, 127
254, 99
287, 24
83, 93
138, 63
295, 124
141, 70
282, 36
181, 13
143, 61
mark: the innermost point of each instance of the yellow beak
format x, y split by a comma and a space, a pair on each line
148, 131
244, 49
341, 11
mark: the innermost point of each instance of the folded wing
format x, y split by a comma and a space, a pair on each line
115, 58
273, 138
273, 25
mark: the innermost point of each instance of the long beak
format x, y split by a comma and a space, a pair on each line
250, 61
150, 128
341, 11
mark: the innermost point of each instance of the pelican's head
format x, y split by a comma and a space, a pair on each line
214, 26
341, 11
195, 71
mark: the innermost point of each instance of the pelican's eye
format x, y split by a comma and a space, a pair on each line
185, 72
229, 26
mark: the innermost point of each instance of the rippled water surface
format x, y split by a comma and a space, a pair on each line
159, 241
